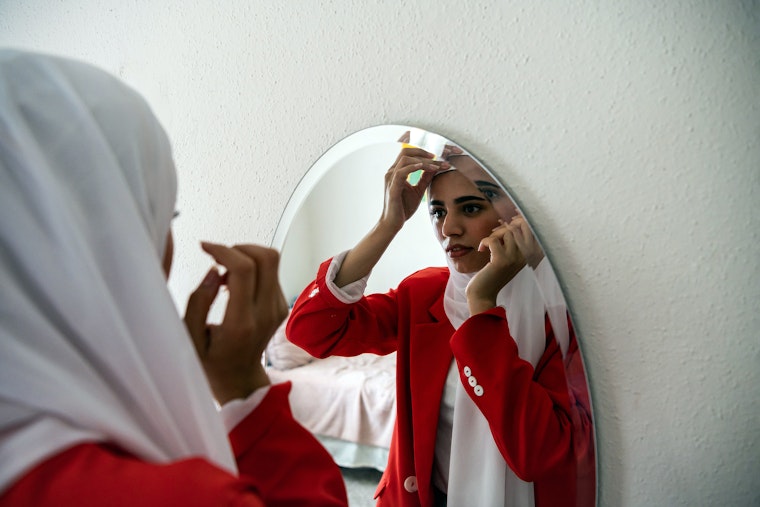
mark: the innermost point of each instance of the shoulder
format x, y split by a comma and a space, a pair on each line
428, 278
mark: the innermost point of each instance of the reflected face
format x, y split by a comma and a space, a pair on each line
488, 186
462, 217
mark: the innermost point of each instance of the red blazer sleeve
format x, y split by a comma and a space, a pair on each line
527, 409
280, 463
324, 326
282, 460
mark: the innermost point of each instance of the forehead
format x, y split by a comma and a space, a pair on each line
470, 168
451, 185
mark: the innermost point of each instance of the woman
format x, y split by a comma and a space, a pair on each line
102, 398
484, 416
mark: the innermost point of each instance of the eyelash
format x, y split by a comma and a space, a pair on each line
468, 209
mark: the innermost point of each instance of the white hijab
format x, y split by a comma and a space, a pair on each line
478, 473
91, 346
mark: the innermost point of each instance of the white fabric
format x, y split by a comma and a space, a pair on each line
556, 306
234, 411
478, 473
284, 355
350, 293
91, 346
443, 431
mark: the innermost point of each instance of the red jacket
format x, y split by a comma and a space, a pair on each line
280, 463
529, 411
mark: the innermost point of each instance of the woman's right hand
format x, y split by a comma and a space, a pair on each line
402, 198
231, 351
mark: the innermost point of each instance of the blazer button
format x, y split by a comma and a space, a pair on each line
410, 484
473, 382
467, 371
478, 390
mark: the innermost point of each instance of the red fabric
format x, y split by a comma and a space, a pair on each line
530, 412
280, 463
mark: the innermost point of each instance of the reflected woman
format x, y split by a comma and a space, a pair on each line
556, 310
484, 416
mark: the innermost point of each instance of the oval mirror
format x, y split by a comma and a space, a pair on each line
543, 443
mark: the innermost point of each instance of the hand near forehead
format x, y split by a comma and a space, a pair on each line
231, 351
506, 261
402, 197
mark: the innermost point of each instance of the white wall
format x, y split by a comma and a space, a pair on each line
628, 131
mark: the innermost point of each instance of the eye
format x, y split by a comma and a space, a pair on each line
437, 213
471, 209
490, 194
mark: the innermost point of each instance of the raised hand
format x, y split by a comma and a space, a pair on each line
526, 241
402, 198
231, 351
506, 261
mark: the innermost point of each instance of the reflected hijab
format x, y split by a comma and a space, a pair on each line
91, 346
478, 473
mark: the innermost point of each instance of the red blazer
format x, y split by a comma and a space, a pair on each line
529, 410
280, 463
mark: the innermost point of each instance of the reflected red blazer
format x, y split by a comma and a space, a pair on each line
529, 410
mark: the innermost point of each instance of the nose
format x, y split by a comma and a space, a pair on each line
451, 226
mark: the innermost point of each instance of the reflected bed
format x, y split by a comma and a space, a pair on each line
348, 403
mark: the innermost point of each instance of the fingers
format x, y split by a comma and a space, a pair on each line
406, 165
451, 150
241, 279
198, 306
252, 281
405, 137
501, 242
267, 263
409, 151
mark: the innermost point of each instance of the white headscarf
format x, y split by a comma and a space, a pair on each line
478, 473
477, 469
91, 346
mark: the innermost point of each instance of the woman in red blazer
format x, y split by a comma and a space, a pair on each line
103, 399
484, 413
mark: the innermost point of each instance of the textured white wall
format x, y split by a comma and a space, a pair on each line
628, 131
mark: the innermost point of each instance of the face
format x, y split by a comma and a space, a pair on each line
462, 217
489, 187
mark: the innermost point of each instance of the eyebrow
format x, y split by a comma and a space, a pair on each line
459, 200
483, 183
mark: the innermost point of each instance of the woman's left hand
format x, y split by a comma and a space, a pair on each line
526, 241
506, 261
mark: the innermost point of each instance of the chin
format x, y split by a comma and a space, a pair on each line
467, 268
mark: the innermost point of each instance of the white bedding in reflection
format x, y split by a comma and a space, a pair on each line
350, 399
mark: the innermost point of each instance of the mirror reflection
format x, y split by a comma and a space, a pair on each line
429, 337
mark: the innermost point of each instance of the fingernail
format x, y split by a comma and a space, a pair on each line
211, 277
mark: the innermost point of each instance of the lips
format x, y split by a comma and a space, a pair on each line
456, 251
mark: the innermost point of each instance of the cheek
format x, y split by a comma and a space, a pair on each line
507, 211
437, 229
